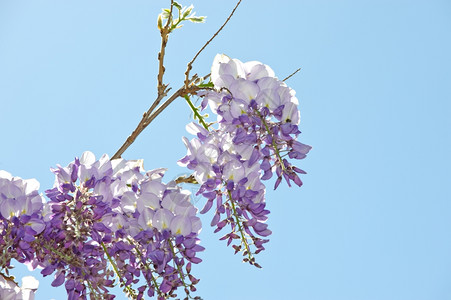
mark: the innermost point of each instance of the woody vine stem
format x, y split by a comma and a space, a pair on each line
189, 87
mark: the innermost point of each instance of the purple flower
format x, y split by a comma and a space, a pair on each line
114, 205
257, 128
18, 196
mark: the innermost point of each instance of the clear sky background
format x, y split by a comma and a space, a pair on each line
373, 218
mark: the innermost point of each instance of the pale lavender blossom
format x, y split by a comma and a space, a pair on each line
18, 196
115, 205
256, 131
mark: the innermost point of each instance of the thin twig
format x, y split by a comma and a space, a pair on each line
292, 74
162, 88
180, 93
148, 116
190, 64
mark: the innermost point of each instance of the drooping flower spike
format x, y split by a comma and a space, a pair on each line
20, 218
255, 136
105, 220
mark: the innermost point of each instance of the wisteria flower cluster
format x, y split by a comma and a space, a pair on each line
257, 128
104, 219
21, 218
108, 222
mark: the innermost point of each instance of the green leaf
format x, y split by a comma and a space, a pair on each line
176, 4
165, 13
159, 22
197, 19
187, 11
206, 85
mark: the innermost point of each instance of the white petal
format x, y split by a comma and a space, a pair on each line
244, 90
29, 282
148, 200
181, 225
5, 175
195, 128
31, 185
224, 70
87, 158
162, 218
256, 70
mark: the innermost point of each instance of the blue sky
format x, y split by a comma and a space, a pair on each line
372, 220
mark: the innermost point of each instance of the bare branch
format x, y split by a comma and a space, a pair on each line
180, 93
190, 64
162, 88
148, 116
291, 74
161, 68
